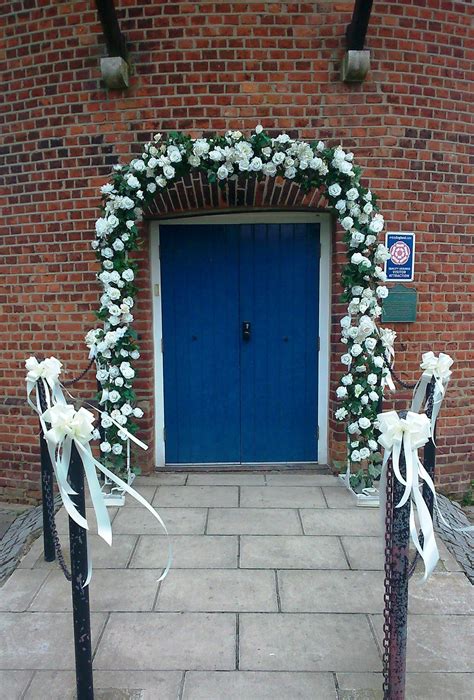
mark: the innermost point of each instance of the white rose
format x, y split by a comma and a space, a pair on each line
372, 379
118, 381
345, 322
258, 129
126, 409
315, 163
364, 423
117, 448
174, 155
256, 164
127, 371
379, 361
370, 344
201, 147
135, 355
353, 428
118, 245
138, 165
320, 146
357, 258
341, 206
364, 453
346, 359
151, 187
107, 189
137, 412
358, 390
373, 445
168, 172
355, 443
356, 350
101, 227
357, 238
341, 413
352, 194
355, 456
368, 208
108, 264
278, 157
377, 224
382, 292
107, 253
364, 399
370, 240
132, 182
269, 169
114, 396
128, 275
360, 368
216, 155
341, 392
347, 379
290, 172
102, 375
105, 447
194, 161
334, 190
127, 203
222, 173
347, 222
373, 396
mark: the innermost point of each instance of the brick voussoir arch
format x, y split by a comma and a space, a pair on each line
178, 173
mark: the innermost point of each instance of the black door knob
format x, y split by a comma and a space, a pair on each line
246, 330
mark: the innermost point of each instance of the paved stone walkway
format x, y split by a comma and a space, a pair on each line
459, 543
275, 593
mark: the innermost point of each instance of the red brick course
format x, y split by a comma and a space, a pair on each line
208, 67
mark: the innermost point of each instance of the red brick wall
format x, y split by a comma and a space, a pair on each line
210, 66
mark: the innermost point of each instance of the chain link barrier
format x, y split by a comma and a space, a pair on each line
388, 598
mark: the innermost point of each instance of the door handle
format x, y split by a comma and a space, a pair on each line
246, 330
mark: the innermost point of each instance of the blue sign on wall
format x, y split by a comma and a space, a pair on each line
401, 264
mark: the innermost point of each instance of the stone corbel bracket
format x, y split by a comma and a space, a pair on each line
356, 62
115, 67
355, 66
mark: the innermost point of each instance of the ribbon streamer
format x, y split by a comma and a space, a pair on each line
409, 434
437, 368
69, 427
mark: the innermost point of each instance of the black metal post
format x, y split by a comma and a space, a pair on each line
80, 594
429, 451
399, 588
357, 29
46, 485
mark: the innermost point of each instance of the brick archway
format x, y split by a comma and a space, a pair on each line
194, 193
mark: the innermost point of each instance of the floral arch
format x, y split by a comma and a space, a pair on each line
165, 161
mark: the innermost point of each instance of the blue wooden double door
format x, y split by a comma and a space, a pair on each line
240, 342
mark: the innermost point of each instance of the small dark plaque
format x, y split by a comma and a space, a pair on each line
400, 305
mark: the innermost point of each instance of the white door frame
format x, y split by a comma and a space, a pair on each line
270, 217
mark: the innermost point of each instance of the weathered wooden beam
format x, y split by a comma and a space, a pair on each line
357, 30
114, 39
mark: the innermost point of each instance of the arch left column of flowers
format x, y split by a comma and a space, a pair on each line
311, 165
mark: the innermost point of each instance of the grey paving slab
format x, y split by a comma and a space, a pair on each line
316, 479
189, 552
258, 685
104, 556
253, 521
331, 591
168, 641
19, 590
62, 520
307, 642
216, 590
437, 642
144, 490
161, 479
13, 683
291, 552
226, 479
364, 552
338, 498
197, 496
110, 590
419, 686
443, 593
281, 497
41, 640
341, 521
31, 555
181, 521
147, 685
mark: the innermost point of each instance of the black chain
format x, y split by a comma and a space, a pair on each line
387, 613
71, 382
48, 492
405, 385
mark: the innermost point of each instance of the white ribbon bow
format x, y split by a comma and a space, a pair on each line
68, 427
410, 434
439, 369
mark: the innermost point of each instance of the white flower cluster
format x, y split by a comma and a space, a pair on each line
311, 165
